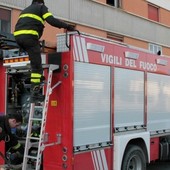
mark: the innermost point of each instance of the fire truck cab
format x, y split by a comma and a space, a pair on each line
111, 108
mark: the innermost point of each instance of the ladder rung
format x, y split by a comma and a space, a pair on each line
31, 157
33, 144
34, 138
36, 119
45, 66
50, 66
38, 107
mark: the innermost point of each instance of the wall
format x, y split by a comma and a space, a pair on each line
137, 8
103, 17
96, 17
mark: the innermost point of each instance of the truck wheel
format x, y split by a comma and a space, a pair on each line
134, 159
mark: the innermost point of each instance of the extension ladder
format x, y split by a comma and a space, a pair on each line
39, 141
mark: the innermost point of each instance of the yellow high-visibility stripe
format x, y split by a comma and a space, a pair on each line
35, 81
47, 15
16, 146
33, 32
32, 16
35, 75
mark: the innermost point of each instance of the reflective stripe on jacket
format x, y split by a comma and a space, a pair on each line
31, 20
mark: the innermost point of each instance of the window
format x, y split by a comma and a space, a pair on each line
116, 3
5, 20
153, 12
155, 49
115, 37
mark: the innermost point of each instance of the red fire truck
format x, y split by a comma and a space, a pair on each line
111, 106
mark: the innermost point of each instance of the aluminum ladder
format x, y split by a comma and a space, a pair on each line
39, 141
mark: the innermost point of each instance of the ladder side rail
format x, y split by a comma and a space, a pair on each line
29, 128
44, 116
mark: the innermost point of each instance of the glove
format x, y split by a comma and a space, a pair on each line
20, 150
15, 156
70, 28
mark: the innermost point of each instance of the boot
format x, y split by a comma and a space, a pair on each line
42, 79
36, 95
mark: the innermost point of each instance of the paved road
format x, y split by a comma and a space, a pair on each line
159, 166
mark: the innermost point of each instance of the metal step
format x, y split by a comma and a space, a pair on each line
31, 157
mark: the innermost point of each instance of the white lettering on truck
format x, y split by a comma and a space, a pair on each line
111, 59
147, 66
130, 63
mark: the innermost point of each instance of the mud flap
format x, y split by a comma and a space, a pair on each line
163, 149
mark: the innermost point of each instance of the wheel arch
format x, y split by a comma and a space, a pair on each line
141, 143
121, 142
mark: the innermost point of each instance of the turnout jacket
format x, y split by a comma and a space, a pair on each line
32, 19
5, 132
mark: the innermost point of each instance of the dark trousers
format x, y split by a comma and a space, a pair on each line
31, 45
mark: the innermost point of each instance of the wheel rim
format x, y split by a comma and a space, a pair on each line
134, 163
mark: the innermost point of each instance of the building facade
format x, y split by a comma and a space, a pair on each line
140, 23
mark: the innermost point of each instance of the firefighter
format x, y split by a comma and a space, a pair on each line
6, 124
28, 31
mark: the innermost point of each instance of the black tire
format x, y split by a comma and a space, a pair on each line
134, 158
